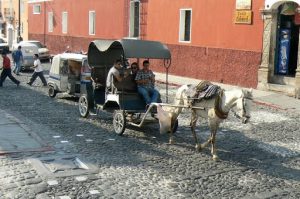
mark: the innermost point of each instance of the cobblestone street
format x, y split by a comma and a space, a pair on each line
86, 159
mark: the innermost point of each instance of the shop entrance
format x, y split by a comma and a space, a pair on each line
287, 40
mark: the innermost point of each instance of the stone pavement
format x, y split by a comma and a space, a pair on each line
16, 136
258, 160
274, 99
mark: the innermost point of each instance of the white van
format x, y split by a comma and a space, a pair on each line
28, 51
67, 72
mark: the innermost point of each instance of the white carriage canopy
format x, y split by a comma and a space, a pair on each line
104, 52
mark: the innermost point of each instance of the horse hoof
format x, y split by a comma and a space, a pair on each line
198, 147
215, 158
172, 141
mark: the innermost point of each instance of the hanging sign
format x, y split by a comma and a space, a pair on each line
243, 4
243, 17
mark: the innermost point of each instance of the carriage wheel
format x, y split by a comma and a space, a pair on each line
175, 126
119, 122
52, 92
83, 106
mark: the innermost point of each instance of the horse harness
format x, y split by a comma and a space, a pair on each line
219, 112
205, 90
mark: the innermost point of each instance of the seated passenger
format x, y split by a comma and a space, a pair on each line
114, 73
134, 69
145, 79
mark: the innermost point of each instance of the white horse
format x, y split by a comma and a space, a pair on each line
215, 110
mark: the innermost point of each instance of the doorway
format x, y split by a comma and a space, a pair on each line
287, 41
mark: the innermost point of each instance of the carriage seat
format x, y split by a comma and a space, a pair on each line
127, 85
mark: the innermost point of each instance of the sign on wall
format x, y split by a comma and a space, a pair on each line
243, 4
243, 16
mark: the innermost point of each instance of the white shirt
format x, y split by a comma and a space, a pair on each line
37, 66
112, 72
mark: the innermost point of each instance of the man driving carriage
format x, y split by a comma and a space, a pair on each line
114, 73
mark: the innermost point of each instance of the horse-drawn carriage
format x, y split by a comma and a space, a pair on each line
123, 100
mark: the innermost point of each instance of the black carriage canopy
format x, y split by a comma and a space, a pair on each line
105, 52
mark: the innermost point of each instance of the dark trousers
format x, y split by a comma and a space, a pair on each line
7, 73
38, 74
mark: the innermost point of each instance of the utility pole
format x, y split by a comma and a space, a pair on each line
19, 24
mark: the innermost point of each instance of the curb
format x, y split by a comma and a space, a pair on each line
270, 105
170, 84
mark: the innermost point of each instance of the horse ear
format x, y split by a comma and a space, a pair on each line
249, 92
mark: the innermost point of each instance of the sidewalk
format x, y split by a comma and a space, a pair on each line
16, 136
269, 98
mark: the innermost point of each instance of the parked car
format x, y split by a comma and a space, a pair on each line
3, 46
44, 53
28, 51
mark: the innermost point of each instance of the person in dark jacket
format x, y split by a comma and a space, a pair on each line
18, 59
6, 72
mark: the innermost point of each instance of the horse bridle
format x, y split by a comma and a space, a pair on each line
244, 109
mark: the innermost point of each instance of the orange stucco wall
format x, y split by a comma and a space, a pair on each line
220, 50
212, 24
109, 18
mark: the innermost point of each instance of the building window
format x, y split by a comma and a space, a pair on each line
185, 25
92, 22
134, 20
50, 21
36, 9
64, 22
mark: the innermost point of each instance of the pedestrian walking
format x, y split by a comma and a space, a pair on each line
6, 72
38, 71
18, 59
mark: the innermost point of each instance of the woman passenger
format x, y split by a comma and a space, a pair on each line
134, 69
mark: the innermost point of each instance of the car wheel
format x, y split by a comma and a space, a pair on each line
83, 106
52, 92
119, 122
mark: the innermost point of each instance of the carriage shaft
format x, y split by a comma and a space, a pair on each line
180, 106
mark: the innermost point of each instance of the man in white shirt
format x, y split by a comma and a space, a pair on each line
38, 71
114, 72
